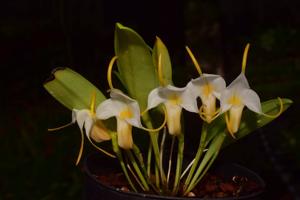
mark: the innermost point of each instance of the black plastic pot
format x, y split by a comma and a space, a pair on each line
95, 190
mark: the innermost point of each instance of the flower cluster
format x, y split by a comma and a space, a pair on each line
208, 96
209, 87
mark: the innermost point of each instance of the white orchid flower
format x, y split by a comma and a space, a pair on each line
238, 95
208, 87
88, 123
125, 109
234, 98
174, 100
127, 112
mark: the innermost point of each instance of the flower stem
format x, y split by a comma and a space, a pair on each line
155, 146
157, 177
149, 159
161, 154
179, 163
116, 149
170, 159
198, 154
207, 161
139, 156
137, 170
135, 177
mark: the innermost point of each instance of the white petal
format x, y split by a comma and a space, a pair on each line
135, 120
219, 85
251, 100
154, 99
170, 90
88, 124
135, 108
81, 117
216, 81
189, 101
239, 83
195, 86
186, 98
118, 95
224, 98
107, 109
74, 111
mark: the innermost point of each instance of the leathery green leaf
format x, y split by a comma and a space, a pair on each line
250, 120
160, 49
71, 89
135, 65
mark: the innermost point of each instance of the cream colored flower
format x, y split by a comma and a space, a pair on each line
88, 123
174, 100
127, 112
93, 128
208, 87
234, 98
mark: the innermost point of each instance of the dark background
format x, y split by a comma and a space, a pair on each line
38, 36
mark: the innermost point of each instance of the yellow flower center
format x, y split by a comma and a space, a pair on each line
234, 100
174, 99
126, 113
207, 89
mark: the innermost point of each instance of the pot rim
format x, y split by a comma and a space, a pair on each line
260, 181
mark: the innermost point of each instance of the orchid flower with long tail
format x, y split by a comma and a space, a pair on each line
208, 87
127, 113
93, 128
174, 99
125, 109
238, 95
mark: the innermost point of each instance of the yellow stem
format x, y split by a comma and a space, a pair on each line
277, 114
100, 149
197, 66
109, 71
61, 127
245, 55
161, 126
81, 148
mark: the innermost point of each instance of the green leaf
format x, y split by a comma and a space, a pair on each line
135, 65
160, 49
250, 121
71, 89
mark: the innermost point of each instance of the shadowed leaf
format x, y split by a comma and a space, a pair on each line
71, 89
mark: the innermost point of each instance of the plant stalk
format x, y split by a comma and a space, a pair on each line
207, 161
178, 164
198, 154
137, 170
117, 151
155, 146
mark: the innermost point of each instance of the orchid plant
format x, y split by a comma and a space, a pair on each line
148, 100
